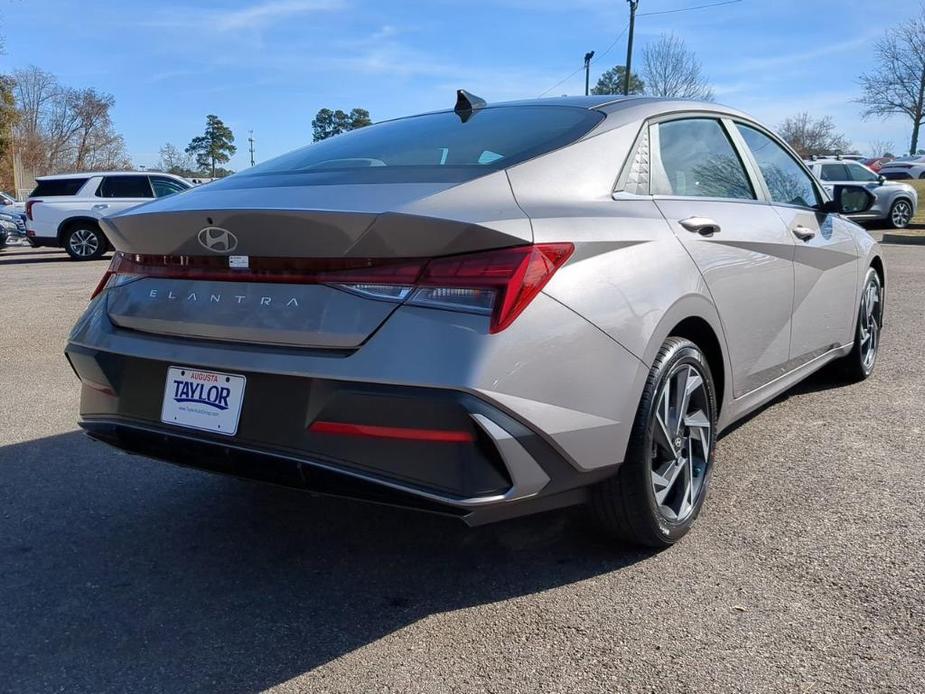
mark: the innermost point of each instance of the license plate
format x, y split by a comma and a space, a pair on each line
206, 400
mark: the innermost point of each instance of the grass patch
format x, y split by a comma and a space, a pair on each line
920, 189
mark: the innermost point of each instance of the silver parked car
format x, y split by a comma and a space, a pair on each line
484, 312
904, 168
896, 202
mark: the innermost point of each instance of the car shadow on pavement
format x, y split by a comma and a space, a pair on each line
122, 574
37, 258
825, 379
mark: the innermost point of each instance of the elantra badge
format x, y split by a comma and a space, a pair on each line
217, 240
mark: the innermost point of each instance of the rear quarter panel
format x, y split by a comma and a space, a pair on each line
629, 275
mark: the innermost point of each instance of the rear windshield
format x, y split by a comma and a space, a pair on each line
434, 147
58, 186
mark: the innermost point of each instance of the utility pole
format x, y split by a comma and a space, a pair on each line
629, 47
251, 141
588, 56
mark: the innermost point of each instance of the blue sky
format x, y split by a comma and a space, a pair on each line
269, 65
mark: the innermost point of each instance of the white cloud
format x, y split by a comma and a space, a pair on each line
270, 11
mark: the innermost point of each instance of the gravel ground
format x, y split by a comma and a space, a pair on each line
804, 572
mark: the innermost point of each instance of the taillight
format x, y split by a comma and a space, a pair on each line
101, 285
502, 282
29, 205
499, 283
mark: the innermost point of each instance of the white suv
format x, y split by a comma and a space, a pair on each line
63, 210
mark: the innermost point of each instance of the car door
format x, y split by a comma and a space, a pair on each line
826, 255
121, 192
710, 199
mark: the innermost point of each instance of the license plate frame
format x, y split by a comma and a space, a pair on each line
203, 399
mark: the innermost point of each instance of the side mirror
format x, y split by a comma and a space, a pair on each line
850, 199
881, 178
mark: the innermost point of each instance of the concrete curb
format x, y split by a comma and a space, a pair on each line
907, 239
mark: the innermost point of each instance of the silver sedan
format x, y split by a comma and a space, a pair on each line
486, 311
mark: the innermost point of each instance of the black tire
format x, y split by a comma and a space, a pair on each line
85, 241
857, 365
625, 505
900, 221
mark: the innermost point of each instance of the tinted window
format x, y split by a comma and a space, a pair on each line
861, 173
125, 187
788, 182
166, 186
433, 147
834, 172
58, 186
697, 158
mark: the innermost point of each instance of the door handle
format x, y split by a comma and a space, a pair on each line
700, 225
803, 233
102, 206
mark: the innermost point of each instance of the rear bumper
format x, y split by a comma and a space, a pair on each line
506, 470
548, 405
41, 241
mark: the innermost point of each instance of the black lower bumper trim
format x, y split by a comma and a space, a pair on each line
256, 465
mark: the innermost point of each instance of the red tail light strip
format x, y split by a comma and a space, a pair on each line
283, 270
402, 433
513, 275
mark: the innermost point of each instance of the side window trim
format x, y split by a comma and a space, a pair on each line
719, 118
820, 191
749, 161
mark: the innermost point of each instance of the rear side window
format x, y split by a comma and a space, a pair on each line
861, 173
166, 186
787, 181
834, 172
432, 147
125, 187
58, 186
696, 158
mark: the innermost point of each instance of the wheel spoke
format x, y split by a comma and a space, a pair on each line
693, 382
662, 436
679, 399
687, 496
665, 481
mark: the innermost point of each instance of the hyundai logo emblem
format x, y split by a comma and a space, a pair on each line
217, 240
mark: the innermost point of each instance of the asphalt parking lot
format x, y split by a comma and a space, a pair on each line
806, 571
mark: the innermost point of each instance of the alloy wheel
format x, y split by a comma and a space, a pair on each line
870, 322
84, 243
682, 436
901, 214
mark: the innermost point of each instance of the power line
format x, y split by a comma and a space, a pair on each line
597, 58
620, 36
688, 9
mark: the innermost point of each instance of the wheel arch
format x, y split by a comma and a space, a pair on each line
876, 262
695, 318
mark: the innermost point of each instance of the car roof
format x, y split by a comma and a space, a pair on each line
89, 174
625, 108
833, 160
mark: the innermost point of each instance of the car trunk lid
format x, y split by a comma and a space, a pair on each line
316, 267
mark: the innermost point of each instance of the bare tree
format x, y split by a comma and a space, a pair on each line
813, 136
670, 68
175, 161
881, 148
65, 129
897, 85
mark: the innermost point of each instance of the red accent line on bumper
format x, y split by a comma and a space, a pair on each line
404, 433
